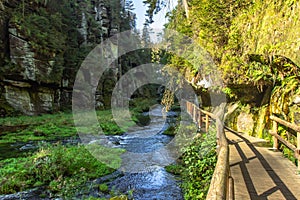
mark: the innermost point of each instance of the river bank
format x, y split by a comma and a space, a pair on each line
59, 166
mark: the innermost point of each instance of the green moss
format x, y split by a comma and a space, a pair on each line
140, 105
174, 169
54, 127
261, 124
94, 198
63, 170
121, 197
103, 187
110, 156
171, 130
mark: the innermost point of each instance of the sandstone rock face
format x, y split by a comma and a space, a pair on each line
37, 69
21, 55
30, 100
245, 123
19, 99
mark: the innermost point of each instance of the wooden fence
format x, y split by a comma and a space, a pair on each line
277, 137
221, 185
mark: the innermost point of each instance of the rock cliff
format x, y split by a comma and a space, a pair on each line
42, 44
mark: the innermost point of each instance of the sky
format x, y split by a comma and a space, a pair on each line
159, 19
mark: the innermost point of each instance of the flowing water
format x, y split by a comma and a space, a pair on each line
142, 170
143, 165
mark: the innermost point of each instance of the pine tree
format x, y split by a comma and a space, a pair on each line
154, 6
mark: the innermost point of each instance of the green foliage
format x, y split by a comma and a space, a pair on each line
63, 170
250, 41
290, 137
174, 169
261, 39
121, 197
199, 162
282, 96
170, 131
154, 6
228, 92
54, 127
51, 29
140, 105
197, 165
110, 156
261, 73
103, 187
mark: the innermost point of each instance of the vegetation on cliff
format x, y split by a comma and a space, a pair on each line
255, 45
43, 44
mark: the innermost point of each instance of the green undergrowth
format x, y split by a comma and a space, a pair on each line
171, 131
62, 170
196, 166
138, 106
53, 127
290, 137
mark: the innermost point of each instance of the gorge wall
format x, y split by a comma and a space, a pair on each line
42, 44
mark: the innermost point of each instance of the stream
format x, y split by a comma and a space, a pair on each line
143, 167
142, 171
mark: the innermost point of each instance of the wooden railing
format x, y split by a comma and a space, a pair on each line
221, 185
277, 137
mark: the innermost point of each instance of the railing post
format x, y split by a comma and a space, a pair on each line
275, 140
199, 119
195, 113
192, 111
298, 149
206, 123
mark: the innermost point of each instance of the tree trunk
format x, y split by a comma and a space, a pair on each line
186, 8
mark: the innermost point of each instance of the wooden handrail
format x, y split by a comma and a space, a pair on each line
285, 123
221, 185
283, 141
277, 137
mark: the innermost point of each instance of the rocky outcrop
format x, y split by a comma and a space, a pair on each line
245, 123
30, 99
42, 46
29, 66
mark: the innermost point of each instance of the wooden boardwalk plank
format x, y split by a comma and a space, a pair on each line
260, 173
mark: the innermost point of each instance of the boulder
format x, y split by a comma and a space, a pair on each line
245, 123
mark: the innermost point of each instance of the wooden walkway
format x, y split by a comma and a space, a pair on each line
259, 172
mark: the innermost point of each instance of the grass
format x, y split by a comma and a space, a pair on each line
63, 170
53, 127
